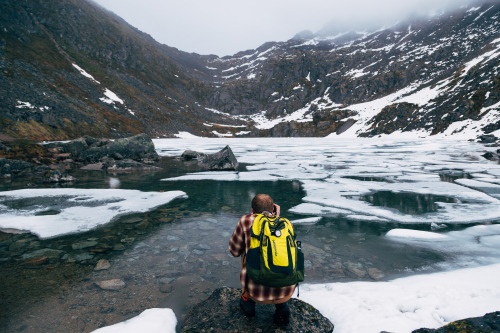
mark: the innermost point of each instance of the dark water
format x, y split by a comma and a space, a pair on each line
176, 255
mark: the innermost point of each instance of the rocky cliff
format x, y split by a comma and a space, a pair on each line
70, 68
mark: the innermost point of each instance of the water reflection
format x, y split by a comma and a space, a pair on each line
407, 203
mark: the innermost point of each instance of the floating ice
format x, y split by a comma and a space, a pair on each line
309, 220
338, 173
54, 212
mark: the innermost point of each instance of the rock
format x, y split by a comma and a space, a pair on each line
355, 269
376, 274
191, 154
114, 284
93, 166
102, 264
37, 261
83, 244
138, 148
49, 253
221, 313
222, 160
491, 156
131, 220
77, 257
487, 138
488, 323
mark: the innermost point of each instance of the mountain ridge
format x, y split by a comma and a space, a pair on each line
71, 68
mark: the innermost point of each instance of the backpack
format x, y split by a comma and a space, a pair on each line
275, 258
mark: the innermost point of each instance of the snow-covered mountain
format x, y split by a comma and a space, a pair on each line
431, 76
70, 68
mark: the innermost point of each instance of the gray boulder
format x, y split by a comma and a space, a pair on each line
138, 148
221, 313
192, 155
222, 160
487, 138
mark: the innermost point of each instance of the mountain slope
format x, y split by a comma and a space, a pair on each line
70, 68
424, 75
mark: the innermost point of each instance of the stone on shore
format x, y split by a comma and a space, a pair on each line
488, 323
221, 313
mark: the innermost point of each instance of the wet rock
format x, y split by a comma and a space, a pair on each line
487, 323
37, 261
101, 248
376, 274
93, 166
221, 313
222, 160
118, 247
165, 219
77, 257
49, 253
102, 264
355, 269
114, 284
83, 244
131, 220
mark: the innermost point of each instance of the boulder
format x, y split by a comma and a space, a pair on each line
221, 313
487, 138
191, 154
491, 156
487, 323
138, 148
222, 160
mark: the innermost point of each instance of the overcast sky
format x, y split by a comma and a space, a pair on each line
225, 27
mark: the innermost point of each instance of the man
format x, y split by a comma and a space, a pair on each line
252, 292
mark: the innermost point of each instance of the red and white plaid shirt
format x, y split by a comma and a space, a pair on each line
239, 243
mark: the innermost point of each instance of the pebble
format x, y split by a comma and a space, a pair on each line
114, 284
102, 264
131, 220
376, 274
83, 244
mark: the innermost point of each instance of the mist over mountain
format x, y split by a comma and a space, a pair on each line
71, 68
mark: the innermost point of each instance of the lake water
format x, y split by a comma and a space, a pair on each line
344, 196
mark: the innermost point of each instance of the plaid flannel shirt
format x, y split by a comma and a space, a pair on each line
239, 244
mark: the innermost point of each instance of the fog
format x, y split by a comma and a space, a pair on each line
225, 27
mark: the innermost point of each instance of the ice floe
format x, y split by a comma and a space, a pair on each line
53, 212
350, 177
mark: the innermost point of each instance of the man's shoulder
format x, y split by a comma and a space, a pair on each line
247, 219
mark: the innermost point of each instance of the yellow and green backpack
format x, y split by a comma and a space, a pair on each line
275, 258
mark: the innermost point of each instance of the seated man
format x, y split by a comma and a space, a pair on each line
252, 292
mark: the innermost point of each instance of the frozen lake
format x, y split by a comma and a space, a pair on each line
365, 210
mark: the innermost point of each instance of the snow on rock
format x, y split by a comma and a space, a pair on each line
111, 97
84, 73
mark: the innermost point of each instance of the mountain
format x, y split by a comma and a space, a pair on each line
70, 68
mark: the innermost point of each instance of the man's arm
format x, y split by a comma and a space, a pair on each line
237, 240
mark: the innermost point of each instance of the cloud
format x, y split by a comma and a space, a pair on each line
225, 27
